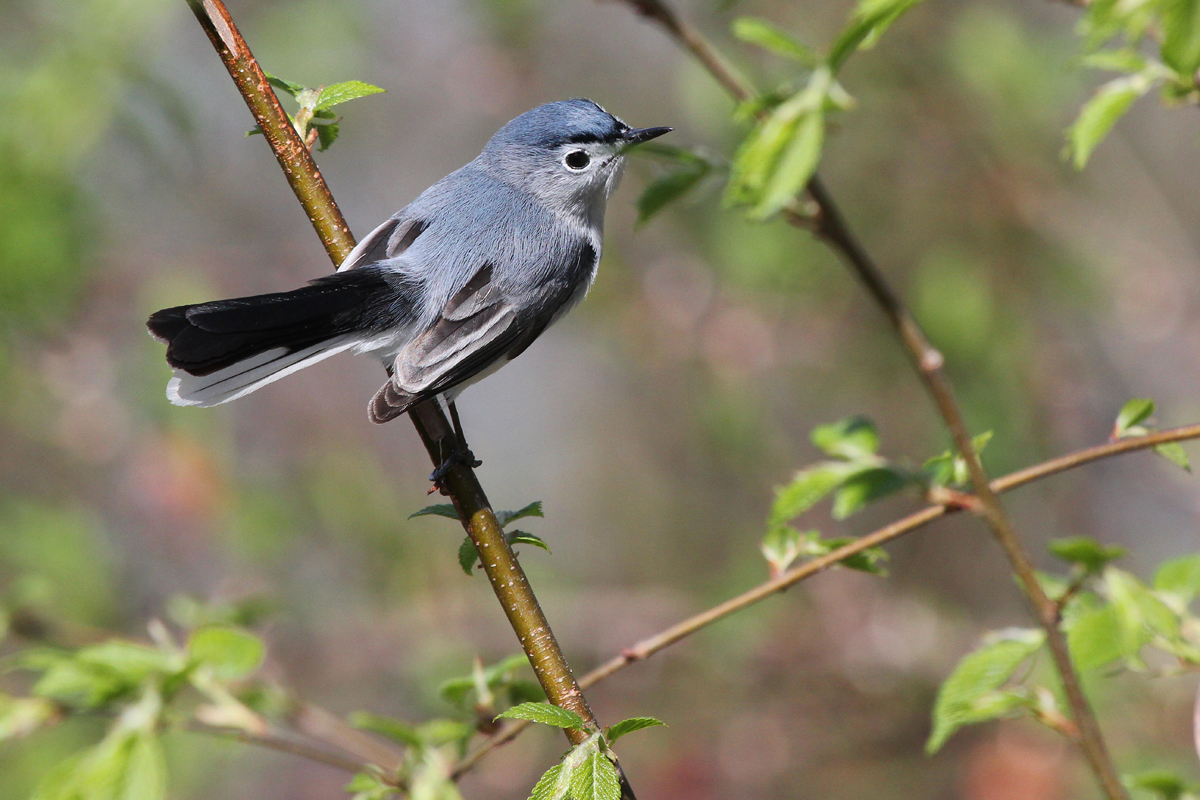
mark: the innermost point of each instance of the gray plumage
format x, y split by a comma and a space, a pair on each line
447, 290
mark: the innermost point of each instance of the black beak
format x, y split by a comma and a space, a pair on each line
639, 135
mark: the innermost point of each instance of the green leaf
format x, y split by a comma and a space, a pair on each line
970, 694
1180, 576
595, 779
1126, 60
437, 510
853, 438
230, 652
393, 729
291, 88
522, 537
1097, 637
783, 544
553, 785
1101, 113
369, 786
630, 725
1181, 36
467, 555
806, 490
866, 487
1174, 452
949, 468
766, 35
795, 166
546, 714
868, 22
1135, 412
129, 661
868, 560
341, 92
1139, 606
669, 187
145, 775
325, 122
534, 509
1086, 552
1167, 785
75, 683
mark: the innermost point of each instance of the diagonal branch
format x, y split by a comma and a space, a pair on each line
929, 363
918, 519
460, 483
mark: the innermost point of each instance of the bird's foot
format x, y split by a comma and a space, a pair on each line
461, 455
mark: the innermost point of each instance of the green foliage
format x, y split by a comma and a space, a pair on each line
685, 170
489, 688
1129, 423
857, 477
231, 653
1087, 553
629, 726
534, 509
437, 510
468, 556
1180, 578
1114, 35
546, 714
949, 468
973, 691
586, 772
369, 786
314, 116
1164, 785
770, 37
868, 22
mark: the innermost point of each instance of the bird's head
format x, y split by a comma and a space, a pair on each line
568, 154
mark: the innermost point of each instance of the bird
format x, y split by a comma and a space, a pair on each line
445, 291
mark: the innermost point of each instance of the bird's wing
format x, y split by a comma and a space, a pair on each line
387, 241
478, 327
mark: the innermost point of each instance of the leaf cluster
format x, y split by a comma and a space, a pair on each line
588, 771
468, 555
1117, 36
315, 120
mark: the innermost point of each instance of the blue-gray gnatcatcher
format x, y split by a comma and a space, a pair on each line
445, 292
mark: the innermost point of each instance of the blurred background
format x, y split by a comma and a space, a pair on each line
653, 423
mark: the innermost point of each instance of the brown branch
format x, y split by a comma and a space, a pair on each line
460, 483
918, 519
282, 743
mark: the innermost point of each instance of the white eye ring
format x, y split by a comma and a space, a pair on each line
577, 160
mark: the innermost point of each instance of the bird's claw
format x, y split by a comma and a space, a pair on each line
461, 455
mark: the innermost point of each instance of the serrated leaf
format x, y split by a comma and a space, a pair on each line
868, 22
468, 555
806, 490
436, 510
669, 187
853, 438
290, 87
546, 714
523, 537
553, 785
1087, 552
386, 726
866, 487
970, 693
1181, 36
1100, 114
342, 92
1174, 452
1180, 577
534, 509
766, 35
630, 725
230, 652
1135, 412
595, 779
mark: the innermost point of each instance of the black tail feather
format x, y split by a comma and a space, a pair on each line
207, 337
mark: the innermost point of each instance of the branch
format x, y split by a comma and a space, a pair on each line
283, 744
681, 630
460, 483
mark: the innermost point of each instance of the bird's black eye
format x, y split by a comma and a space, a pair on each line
577, 160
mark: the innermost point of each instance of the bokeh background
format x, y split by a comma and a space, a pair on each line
653, 423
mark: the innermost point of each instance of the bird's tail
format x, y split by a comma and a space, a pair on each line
228, 348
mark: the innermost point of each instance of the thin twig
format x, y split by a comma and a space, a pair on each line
283, 744
460, 483
653, 644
